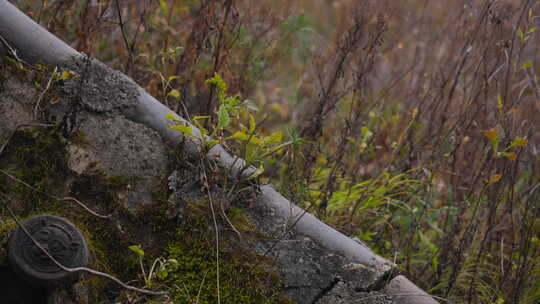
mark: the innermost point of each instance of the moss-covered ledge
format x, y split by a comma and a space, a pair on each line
28, 157
43, 159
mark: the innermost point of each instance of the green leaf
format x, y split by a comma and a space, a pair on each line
201, 117
276, 137
170, 116
137, 249
366, 133
493, 137
172, 264
371, 203
509, 155
200, 126
212, 143
252, 124
223, 117
67, 75
243, 136
500, 103
184, 129
495, 178
367, 236
220, 85
427, 242
527, 64
519, 142
162, 275
174, 93
257, 172
164, 6
521, 35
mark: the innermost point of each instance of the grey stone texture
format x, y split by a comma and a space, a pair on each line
98, 87
121, 148
15, 106
314, 274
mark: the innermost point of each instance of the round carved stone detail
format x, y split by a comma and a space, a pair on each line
60, 238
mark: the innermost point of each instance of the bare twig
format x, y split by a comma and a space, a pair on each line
229, 221
12, 51
41, 10
136, 35
206, 184
36, 108
54, 197
200, 287
85, 207
124, 36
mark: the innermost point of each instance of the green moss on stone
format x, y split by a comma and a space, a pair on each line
243, 276
38, 157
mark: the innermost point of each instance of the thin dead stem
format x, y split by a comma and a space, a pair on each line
47, 87
55, 197
124, 36
214, 219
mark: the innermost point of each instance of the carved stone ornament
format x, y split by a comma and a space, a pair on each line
60, 238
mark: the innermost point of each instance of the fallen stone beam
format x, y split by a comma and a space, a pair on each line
26, 40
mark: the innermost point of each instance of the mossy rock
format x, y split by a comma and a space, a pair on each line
38, 157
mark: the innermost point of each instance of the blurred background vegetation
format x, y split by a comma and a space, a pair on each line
412, 125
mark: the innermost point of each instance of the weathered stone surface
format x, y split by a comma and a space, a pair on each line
404, 291
363, 278
112, 143
305, 277
184, 187
121, 148
23, 92
14, 107
312, 273
98, 87
342, 293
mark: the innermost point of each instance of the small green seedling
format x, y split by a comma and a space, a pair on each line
160, 269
